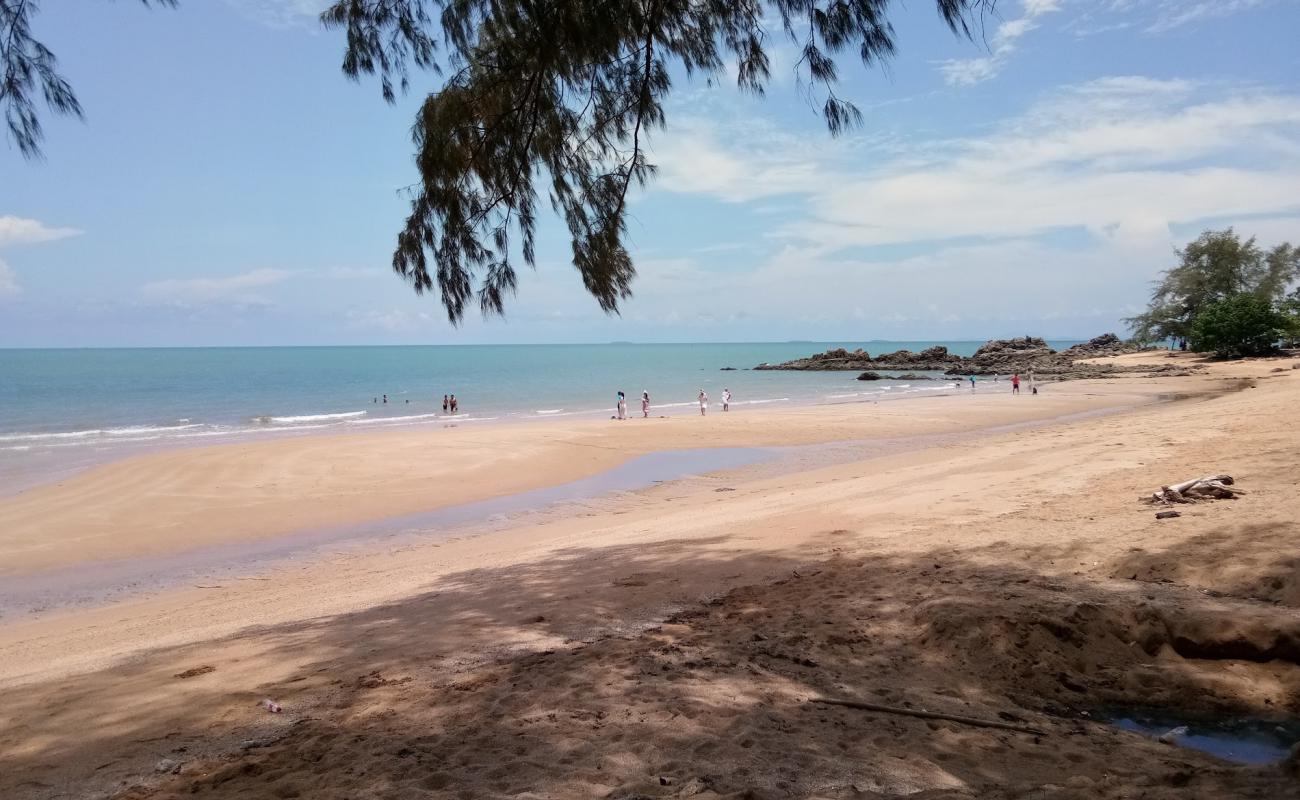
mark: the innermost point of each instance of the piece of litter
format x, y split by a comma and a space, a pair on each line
271, 706
1172, 735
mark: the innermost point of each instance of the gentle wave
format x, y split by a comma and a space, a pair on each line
548, 411
397, 420
131, 430
310, 418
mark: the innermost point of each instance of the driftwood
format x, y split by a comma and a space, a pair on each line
907, 712
1167, 514
1212, 487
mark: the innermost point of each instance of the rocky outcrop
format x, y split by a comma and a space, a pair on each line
1026, 355
1108, 344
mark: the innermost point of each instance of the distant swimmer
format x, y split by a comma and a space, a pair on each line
726, 399
385, 398
620, 405
645, 404
445, 404
704, 403
455, 404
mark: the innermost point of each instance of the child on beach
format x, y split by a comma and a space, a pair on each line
645, 404
704, 403
726, 399
1015, 383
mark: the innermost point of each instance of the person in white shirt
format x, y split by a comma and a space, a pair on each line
704, 402
726, 399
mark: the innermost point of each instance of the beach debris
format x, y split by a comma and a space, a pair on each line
1167, 514
271, 706
168, 766
1212, 487
1172, 735
922, 714
194, 672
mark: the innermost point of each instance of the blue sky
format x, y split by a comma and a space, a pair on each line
230, 187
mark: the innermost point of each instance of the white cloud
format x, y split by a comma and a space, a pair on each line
283, 13
1125, 154
1177, 13
239, 290
17, 230
351, 273
8, 281
701, 158
394, 320
971, 71
1155, 16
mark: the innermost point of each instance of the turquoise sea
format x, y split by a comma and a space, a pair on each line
63, 408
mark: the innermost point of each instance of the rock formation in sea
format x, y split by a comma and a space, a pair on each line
1025, 355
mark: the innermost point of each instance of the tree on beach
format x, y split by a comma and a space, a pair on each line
1215, 267
28, 68
1241, 325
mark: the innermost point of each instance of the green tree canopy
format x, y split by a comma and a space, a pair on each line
1241, 325
1217, 266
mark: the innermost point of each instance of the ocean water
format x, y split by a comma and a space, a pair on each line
63, 408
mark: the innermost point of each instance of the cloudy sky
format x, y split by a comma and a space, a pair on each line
229, 186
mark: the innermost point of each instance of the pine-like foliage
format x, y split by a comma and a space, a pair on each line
1217, 266
556, 98
28, 70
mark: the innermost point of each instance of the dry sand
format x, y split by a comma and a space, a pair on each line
666, 642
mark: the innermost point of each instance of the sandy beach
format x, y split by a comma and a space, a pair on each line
993, 563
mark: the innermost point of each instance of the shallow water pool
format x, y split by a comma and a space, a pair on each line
1241, 740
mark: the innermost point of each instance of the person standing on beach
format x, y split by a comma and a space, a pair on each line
972, 383
455, 405
1015, 383
726, 399
645, 404
445, 404
704, 403
621, 405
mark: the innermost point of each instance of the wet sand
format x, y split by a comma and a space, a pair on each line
1012, 573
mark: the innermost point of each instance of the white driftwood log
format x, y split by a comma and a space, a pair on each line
1212, 487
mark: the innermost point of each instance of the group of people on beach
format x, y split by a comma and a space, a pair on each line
1015, 383
620, 403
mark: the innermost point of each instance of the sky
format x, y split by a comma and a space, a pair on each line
229, 186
